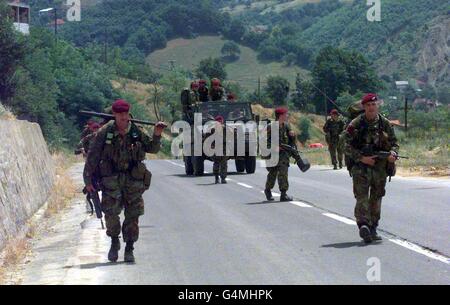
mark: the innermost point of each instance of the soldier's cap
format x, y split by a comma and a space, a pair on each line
94, 126
281, 110
370, 97
334, 111
202, 82
231, 96
219, 118
215, 82
120, 106
194, 84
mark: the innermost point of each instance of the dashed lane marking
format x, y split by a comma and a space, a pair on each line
245, 185
340, 218
301, 204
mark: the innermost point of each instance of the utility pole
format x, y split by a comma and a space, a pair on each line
259, 90
56, 26
406, 115
325, 107
105, 50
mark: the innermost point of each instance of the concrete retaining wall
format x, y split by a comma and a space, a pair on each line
27, 175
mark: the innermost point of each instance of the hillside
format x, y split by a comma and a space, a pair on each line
187, 53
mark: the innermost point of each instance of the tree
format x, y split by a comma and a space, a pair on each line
336, 71
231, 50
304, 93
12, 51
304, 125
210, 68
277, 89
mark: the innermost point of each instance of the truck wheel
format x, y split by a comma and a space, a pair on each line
199, 166
240, 165
250, 164
188, 166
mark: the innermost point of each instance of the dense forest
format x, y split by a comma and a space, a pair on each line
49, 81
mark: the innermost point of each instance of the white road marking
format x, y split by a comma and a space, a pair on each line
245, 185
340, 218
420, 250
176, 164
301, 204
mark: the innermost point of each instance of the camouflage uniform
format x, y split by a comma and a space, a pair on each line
217, 94
333, 128
123, 175
282, 169
203, 94
369, 182
85, 142
220, 166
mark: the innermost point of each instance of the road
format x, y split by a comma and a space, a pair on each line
195, 232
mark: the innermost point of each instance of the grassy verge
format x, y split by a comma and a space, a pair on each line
63, 191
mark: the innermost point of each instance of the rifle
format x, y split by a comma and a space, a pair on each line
111, 117
95, 204
368, 151
303, 164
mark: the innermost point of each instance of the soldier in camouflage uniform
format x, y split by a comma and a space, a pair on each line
368, 133
333, 127
286, 136
220, 166
203, 91
83, 145
217, 92
116, 155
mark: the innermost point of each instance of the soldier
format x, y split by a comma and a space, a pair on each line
203, 91
217, 93
83, 146
189, 98
117, 154
333, 127
220, 167
282, 168
231, 97
368, 133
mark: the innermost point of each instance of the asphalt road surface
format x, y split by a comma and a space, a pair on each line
195, 232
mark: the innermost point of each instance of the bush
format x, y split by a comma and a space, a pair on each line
304, 125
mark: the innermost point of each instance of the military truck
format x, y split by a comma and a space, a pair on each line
235, 115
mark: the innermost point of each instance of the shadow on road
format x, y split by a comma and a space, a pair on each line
345, 245
97, 265
262, 202
204, 175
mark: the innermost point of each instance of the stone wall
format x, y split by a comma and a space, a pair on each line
27, 175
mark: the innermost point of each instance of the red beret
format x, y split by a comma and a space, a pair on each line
281, 110
202, 81
94, 126
215, 82
230, 96
334, 111
220, 119
194, 85
120, 106
370, 97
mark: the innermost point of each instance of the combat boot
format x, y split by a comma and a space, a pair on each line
129, 255
113, 254
223, 180
335, 167
268, 194
340, 165
374, 234
365, 234
285, 197
217, 179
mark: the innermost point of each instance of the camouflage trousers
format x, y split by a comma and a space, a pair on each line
281, 172
336, 152
220, 166
369, 185
120, 193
